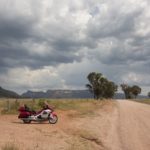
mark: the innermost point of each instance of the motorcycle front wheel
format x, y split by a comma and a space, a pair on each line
53, 120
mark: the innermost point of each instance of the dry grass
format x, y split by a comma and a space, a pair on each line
82, 107
9, 146
84, 140
145, 101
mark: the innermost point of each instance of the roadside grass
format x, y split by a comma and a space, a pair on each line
9, 146
88, 108
145, 101
82, 107
11, 106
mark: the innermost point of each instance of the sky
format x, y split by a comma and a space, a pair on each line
53, 44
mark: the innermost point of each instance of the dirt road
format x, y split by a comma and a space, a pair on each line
123, 125
132, 126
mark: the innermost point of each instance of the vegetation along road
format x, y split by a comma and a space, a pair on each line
115, 125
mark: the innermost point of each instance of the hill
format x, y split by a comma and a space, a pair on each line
8, 94
58, 94
55, 94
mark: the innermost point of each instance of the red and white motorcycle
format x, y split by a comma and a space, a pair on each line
46, 114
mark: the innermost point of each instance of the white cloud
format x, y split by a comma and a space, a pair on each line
131, 78
24, 78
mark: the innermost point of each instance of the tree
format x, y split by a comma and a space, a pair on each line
148, 94
94, 79
135, 90
100, 86
130, 92
110, 89
126, 89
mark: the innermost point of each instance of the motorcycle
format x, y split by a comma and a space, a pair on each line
47, 114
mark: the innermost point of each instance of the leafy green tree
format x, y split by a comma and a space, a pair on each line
100, 86
126, 89
110, 89
130, 92
135, 90
148, 94
94, 79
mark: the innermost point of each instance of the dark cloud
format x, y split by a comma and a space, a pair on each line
15, 57
117, 24
15, 28
112, 35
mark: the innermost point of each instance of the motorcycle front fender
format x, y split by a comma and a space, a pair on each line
53, 113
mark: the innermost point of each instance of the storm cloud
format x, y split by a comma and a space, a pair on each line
55, 44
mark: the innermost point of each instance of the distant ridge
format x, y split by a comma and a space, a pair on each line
58, 94
75, 94
8, 94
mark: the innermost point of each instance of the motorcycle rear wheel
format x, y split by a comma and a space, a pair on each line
53, 120
26, 121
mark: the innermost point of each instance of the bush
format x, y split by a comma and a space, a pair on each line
41, 103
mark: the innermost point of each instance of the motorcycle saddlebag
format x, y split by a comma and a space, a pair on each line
24, 115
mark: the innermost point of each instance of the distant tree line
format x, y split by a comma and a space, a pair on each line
101, 87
